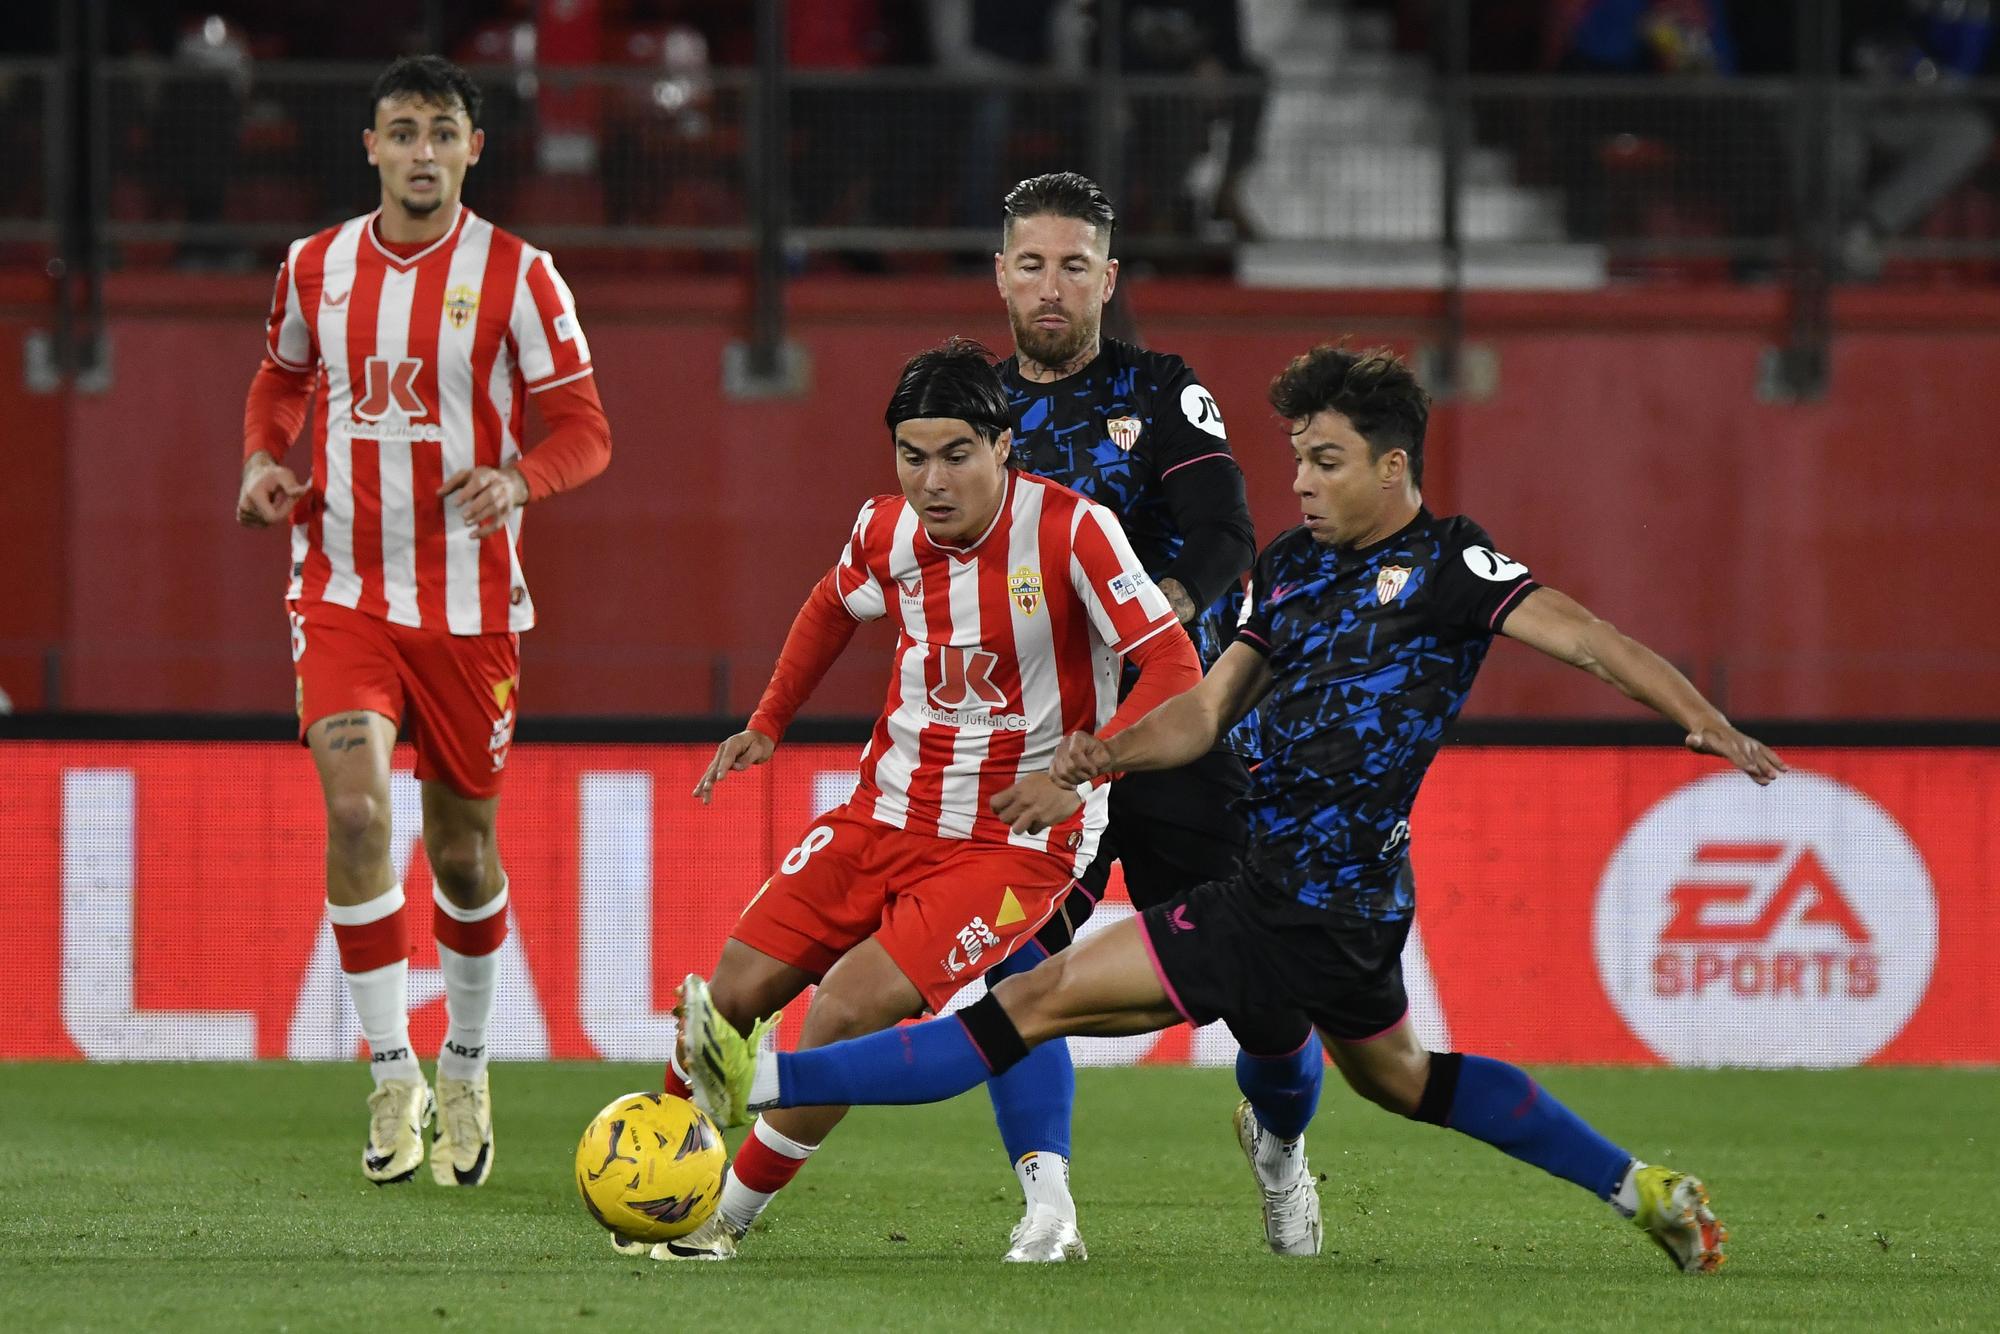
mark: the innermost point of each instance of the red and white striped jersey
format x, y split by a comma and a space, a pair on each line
1005, 645
423, 368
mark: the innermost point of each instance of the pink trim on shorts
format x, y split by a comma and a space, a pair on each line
1383, 1033
1519, 589
1153, 957
1251, 634
1218, 454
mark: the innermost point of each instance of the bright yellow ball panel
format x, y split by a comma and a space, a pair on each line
650, 1166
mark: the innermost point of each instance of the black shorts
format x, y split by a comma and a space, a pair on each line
1227, 950
1171, 830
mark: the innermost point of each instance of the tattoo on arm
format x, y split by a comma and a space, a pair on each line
1178, 599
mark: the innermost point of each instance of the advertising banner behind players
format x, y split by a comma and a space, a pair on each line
1599, 904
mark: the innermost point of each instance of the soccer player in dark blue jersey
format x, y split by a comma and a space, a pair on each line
1367, 625
1136, 431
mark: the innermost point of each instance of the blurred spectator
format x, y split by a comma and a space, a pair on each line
662, 139
1732, 142
981, 40
843, 173
1204, 39
1897, 157
197, 125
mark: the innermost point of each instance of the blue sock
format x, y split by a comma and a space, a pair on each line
925, 1062
1032, 1101
1283, 1090
1500, 1104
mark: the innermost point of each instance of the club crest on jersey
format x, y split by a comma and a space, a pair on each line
1025, 587
1124, 432
461, 303
1389, 581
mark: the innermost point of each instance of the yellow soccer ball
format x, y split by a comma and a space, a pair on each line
649, 1166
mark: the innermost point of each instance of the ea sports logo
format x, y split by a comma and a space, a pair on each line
1786, 925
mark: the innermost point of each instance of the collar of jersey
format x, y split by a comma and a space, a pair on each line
967, 551
1046, 386
1360, 554
397, 261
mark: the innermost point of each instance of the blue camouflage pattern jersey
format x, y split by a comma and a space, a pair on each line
1372, 652
1135, 431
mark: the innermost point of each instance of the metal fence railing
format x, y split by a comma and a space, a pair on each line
1645, 170
1363, 167
30, 129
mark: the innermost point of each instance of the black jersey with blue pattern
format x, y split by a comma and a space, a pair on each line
1372, 652
1116, 431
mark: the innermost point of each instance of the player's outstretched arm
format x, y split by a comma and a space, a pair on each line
1566, 630
1179, 731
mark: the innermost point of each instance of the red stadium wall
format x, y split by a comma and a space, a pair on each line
1818, 561
1588, 905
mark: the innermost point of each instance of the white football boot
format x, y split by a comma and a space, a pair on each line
398, 1111
462, 1144
713, 1240
1291, 1205
1045, 1236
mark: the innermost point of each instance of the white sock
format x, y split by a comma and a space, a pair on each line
1280, 1162
1626, 1198
763, 1084
381, 1000
381, 995
674, 1064
1045, 1183
468, 993
741, 1206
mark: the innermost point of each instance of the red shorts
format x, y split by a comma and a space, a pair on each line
945, 909
454, 694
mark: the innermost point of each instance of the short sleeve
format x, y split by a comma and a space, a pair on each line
550, 342
855, 576
1253, 623
287, 337
1477, 586
1187, 425
1125, 606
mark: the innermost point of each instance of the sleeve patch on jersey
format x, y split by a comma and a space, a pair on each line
1129, 585
565, 327
1490, 564
1198, 405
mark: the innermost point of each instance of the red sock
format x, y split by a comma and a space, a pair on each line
371, 935
673, 1083
764, 1168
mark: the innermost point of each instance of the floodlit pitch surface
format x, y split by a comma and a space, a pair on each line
228, 1197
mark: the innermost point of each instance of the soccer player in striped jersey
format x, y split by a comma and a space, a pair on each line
1366, 629
424, 330
1016, 600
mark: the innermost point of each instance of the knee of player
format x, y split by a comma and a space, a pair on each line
835, 1016
459, 864
1398, 1089
356, 817
1036, 1000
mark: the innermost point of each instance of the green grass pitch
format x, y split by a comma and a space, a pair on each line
212, 1198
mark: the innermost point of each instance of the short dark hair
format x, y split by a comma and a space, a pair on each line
1064, 194
957, 378
430, 79
1375, 390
